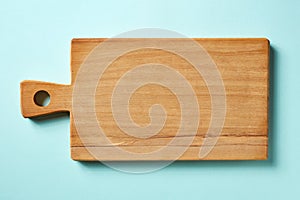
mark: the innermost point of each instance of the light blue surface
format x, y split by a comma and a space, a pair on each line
35, 43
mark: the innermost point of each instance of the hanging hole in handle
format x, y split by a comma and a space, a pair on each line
41, 98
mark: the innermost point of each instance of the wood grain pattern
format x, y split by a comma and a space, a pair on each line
244, 67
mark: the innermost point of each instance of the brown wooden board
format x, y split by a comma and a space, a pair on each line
244, 68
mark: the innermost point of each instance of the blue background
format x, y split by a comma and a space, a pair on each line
35, 44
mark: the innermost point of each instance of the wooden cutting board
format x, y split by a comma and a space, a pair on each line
243, 67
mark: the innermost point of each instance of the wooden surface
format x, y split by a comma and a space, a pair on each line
244, 67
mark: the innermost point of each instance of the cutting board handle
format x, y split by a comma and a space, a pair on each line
60, 98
